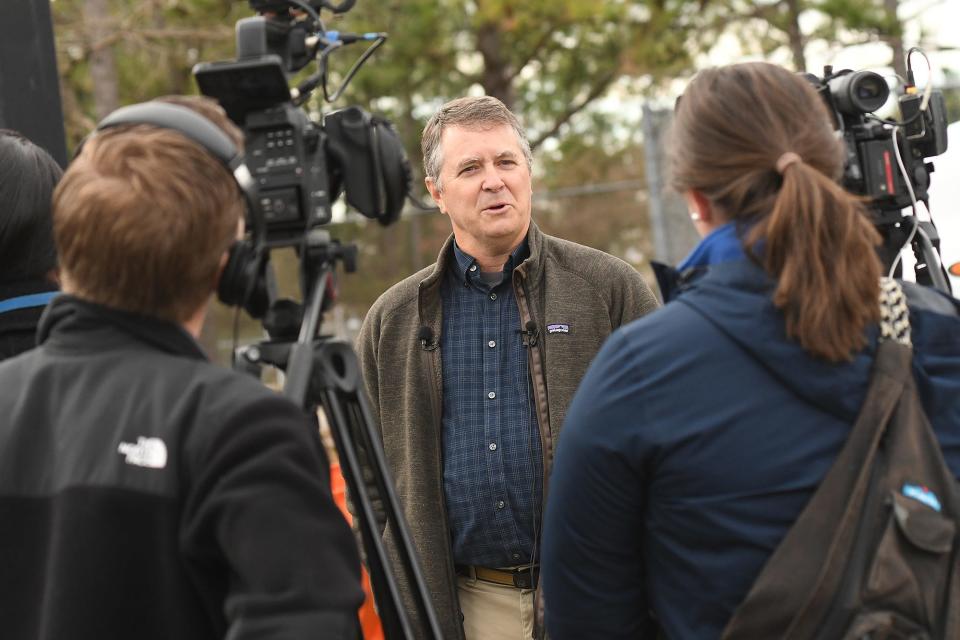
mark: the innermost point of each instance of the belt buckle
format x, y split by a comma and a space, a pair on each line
526, 578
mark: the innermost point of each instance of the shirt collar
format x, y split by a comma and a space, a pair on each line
463, 262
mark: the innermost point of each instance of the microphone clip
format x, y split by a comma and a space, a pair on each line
428, 341
530, 335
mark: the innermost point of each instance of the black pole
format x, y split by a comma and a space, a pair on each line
29, 85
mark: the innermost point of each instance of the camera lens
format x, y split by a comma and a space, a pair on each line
858, 92
869, 89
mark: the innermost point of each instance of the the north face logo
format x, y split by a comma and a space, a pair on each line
147, 452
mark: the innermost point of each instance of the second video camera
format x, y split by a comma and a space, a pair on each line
886, 161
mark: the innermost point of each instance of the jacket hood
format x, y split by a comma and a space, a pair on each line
736, 296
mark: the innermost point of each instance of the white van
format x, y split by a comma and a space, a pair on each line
945, 203
944, 195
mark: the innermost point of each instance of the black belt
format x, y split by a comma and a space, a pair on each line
521, 577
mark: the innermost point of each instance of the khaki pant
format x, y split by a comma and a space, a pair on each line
495, 612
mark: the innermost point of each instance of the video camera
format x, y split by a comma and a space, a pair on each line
292, 170
886, 160
297, 167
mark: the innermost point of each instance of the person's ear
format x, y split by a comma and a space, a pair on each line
702, 212
435, 193
700, 208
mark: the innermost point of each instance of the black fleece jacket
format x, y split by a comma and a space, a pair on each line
146, 493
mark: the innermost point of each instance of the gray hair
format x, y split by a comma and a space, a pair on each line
473, 113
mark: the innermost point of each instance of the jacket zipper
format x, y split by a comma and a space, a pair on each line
538, 380
431, 356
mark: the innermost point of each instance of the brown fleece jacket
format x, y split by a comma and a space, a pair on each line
560, 283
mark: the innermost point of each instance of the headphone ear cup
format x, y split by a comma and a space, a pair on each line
395, 168
243, 281
230, 287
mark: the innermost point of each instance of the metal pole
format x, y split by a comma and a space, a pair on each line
29, 84
651, 149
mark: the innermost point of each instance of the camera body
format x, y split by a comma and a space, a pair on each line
886, 162
293, 168
872, 146
300, 167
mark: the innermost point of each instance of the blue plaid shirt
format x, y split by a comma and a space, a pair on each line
492, 461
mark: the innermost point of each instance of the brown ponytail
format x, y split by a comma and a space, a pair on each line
733, 126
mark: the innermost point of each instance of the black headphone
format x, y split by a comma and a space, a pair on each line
372, 164
243, 281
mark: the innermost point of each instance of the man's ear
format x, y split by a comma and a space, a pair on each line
223, 265
435, 192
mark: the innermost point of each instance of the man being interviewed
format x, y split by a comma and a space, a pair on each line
471, 362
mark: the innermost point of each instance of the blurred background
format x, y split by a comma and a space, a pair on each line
593, 81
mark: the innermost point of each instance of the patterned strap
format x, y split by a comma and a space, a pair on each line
894, 314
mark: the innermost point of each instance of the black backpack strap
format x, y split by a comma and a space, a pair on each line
807, 567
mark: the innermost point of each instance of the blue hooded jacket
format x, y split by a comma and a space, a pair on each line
696, 438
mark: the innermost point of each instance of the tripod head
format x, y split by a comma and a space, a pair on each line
292, 325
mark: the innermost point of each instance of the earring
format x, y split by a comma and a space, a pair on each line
694, 215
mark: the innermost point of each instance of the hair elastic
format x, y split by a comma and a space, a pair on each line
786, 160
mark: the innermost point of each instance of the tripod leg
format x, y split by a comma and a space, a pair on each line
336, 383
929, 270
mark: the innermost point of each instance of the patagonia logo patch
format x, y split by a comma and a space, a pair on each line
558, 328
922, 494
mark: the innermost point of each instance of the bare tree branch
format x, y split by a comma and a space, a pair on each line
534, 51
598, 88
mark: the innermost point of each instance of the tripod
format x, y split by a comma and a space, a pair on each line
924, 241
322, 371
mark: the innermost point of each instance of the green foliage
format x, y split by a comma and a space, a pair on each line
154, 45
767, 26
548, 59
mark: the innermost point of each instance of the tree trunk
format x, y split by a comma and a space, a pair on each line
795, 36
497, 75
103, 68
894, 37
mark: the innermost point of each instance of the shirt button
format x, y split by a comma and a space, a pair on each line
501, 504
491, 395
493, 296
473, 267
493, 446
492, 344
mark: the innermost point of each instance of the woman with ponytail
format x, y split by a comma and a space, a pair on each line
701, 431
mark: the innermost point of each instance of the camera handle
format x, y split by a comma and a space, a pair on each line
322, 371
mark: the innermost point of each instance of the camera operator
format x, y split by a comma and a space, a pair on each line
471, 362
147, 493
701, 431
28, 259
